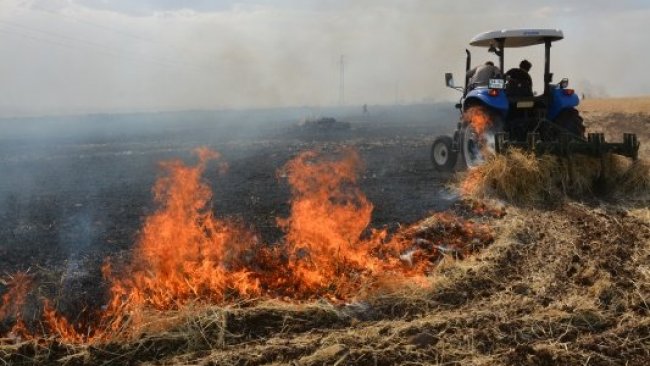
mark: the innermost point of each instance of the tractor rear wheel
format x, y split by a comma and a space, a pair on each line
570, 120
442, 155
476, 146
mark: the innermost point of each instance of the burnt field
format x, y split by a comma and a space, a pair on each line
288, 247
75, 189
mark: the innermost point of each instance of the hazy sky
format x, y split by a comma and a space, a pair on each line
77, 56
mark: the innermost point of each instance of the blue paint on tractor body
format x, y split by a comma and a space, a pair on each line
559, 101
498, 102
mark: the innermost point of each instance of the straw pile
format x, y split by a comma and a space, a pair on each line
523, 178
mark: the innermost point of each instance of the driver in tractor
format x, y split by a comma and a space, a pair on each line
481, 75
519, 83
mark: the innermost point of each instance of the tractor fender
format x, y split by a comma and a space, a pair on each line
561, 101
498, 102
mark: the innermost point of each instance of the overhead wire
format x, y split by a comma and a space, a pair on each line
155, 42
47, 36
53, 41
112, 47
27, 36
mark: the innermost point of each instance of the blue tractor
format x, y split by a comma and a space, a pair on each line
545, 124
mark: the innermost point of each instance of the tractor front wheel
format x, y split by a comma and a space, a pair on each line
442, 155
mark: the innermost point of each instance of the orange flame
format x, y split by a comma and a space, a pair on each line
13, 302
471, 183
184, 252
478, 118
61, 328
187, 255
329, 215
18, 287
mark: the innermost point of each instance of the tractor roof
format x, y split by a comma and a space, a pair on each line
517, 37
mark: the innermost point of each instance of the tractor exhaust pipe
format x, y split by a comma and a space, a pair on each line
468, 65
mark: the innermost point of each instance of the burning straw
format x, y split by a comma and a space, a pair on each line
12, 303
187, 257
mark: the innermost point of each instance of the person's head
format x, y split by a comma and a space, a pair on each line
489, 63
525, 65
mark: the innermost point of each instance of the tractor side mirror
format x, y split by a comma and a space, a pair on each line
564, 83
449, 80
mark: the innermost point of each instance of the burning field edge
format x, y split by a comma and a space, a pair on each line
186, 258
563, 287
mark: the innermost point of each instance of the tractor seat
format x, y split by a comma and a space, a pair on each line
519, 88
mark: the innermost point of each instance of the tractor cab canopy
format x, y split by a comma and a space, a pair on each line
499, 40
516, 37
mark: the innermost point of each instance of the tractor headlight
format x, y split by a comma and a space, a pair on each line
496, 83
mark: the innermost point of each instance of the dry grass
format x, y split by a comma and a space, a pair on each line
616, 105
517, 177
523, 178
616, 116
635, 180
642, 214
557, 287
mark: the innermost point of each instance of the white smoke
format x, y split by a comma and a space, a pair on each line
71, 56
